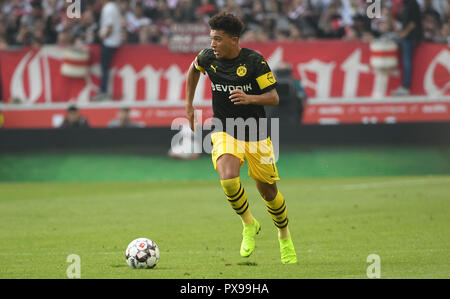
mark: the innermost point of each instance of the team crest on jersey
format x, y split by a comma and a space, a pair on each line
241, 71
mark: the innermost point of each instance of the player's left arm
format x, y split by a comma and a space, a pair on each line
264, 81
269, 98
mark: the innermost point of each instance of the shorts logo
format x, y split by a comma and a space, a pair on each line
241, 71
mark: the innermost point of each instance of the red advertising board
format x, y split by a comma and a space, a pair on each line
340, 82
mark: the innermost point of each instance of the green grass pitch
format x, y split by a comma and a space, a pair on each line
335, 223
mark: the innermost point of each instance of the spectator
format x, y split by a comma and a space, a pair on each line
205, 10
410, 37
431, 27
351, 34
36, 14
32, 25
123, 120
444, 36
447, 13
254, 20
150, 9
386, 26
302, 15
331, 23
429, 9
136, 21
431, 20
64, 38
232, 7
52, 20
282, 22
89, 28
74, 119
62, 21
111, 36
162, 11
184, 12
362, 27
295, 34
38, 34
292, 96
153, 35
437, 6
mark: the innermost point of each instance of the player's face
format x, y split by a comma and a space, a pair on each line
222, 43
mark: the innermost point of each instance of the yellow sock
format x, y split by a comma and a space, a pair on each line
277, 210
237, 197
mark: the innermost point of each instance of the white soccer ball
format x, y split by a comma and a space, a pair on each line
142, 253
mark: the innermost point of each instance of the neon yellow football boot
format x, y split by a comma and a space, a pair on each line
287, 250
248, 238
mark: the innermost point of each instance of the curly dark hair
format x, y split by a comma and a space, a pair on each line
227, 22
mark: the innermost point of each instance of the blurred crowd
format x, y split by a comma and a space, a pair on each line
37, 22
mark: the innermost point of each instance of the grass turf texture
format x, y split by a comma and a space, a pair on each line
321, 162
335, 222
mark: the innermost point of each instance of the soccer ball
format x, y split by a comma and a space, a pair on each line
142, 253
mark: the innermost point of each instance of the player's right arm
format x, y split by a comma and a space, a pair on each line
191, 84
193, 76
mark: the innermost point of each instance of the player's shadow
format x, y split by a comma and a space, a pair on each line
247, 264
118, 266
126, 266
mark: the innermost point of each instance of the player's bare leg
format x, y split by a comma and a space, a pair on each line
228, 167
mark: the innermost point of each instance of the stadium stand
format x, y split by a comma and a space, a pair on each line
36, 22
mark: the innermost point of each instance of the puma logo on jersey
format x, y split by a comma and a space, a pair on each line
214, 68
228, 88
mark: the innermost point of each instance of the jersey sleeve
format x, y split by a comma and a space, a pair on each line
264, 76
200, 61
